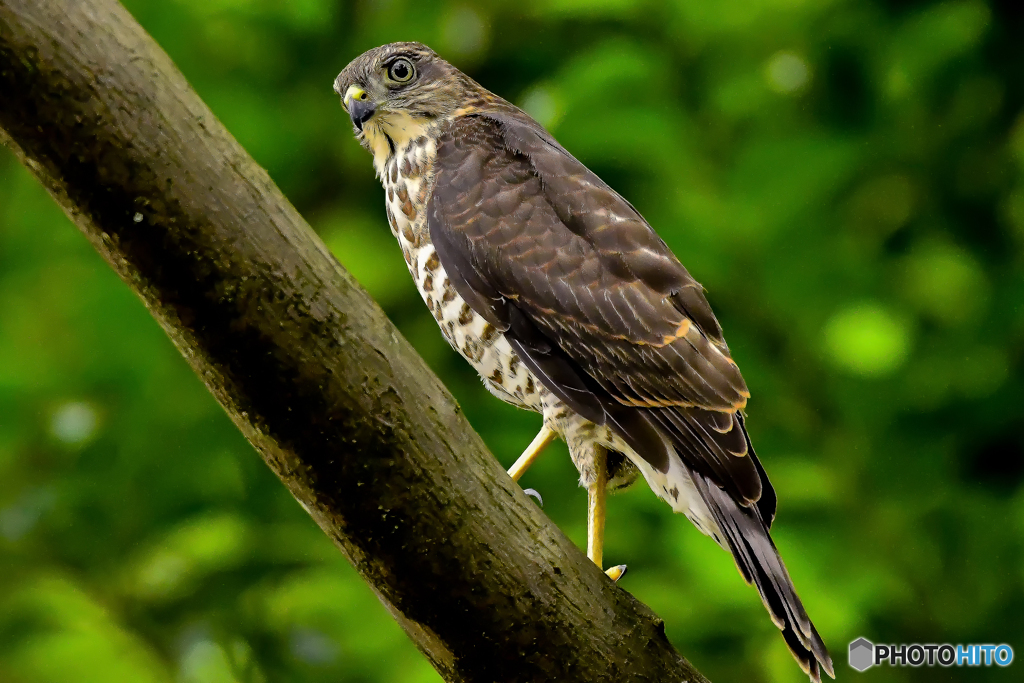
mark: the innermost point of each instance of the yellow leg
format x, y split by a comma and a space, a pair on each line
544, 437
596, 509
596, 495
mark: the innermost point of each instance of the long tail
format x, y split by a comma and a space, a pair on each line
746, 535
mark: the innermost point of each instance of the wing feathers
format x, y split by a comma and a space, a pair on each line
713, 454
525, 230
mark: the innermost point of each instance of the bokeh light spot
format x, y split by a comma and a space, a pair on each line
883, 204
543, 103
204, 661
74, 423
867, 340
787, 72
945, 283
313, 647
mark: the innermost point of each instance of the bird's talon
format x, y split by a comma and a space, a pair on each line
617, 572
534, 494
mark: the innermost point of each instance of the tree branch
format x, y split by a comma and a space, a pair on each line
309, 368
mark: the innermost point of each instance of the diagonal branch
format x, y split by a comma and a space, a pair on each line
308, 367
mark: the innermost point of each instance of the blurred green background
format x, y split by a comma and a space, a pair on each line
847, 180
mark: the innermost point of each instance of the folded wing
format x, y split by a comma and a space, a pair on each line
594, 300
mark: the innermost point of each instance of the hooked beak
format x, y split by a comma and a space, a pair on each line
360, 107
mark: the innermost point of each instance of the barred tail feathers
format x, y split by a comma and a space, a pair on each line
743, 531
746, 536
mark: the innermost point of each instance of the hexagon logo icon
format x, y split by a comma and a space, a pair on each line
862, 654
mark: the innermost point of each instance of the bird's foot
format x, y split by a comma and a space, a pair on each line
533, 493
617, 572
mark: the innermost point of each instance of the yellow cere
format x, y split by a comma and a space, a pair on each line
354, 92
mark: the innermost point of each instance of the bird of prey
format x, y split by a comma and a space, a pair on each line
558, 292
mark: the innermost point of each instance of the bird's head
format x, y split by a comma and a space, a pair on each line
393, 92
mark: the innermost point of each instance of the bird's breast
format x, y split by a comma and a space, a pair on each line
408, 180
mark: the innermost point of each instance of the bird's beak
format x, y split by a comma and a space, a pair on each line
359, 105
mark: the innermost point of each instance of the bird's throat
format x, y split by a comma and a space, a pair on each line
390, 132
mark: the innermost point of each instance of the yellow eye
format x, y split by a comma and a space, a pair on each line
401, 70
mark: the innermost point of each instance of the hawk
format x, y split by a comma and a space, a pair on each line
557, 291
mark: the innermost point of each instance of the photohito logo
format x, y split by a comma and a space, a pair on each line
864, 654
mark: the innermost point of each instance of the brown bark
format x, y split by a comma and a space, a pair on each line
308, 367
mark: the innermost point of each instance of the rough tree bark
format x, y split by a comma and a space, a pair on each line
308, 367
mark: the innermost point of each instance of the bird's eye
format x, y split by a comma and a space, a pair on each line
401, 70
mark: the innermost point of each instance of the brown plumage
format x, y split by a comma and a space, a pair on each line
554, 282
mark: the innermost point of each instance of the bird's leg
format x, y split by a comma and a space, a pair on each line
596, 495
544, 437
596, 508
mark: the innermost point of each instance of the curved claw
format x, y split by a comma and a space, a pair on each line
617, 572
534, 494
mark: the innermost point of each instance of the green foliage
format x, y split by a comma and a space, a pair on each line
847, 180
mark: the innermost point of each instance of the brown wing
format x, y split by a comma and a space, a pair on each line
588, 293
